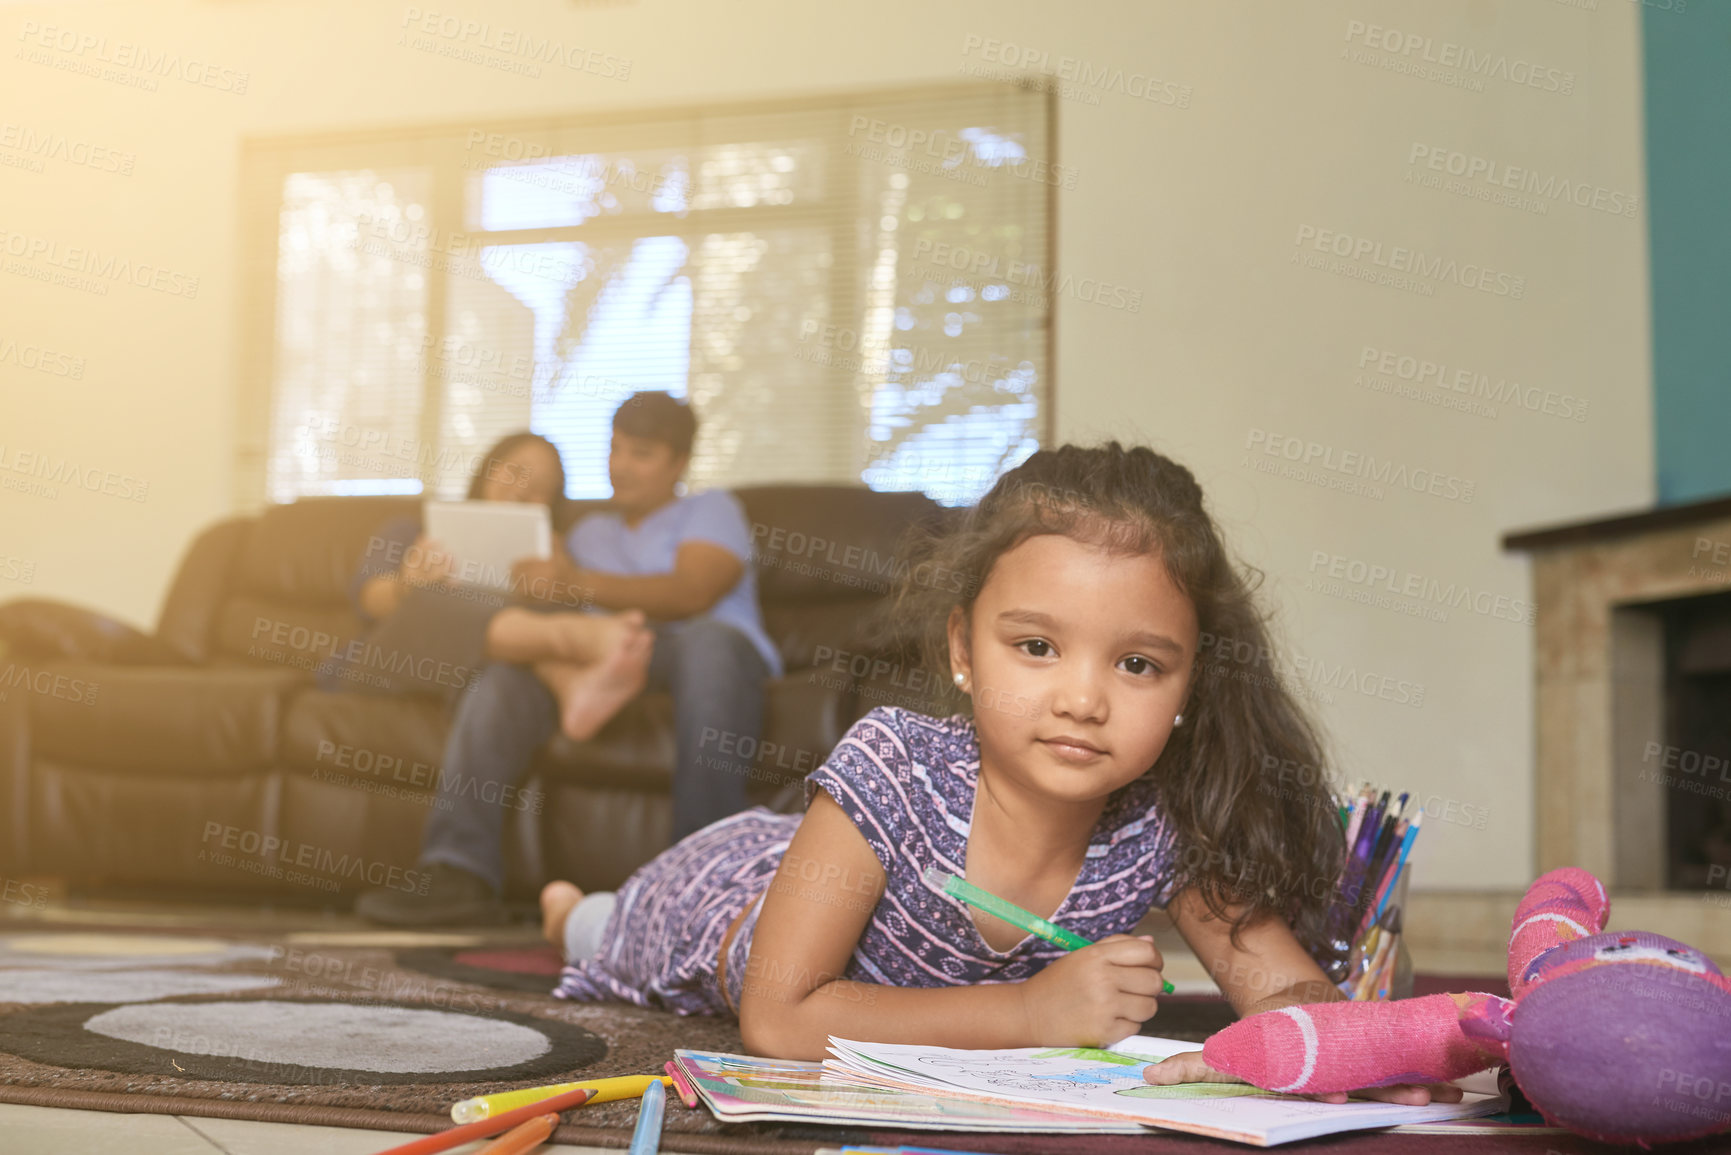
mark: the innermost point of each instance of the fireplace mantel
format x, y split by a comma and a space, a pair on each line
1599, 694
1620, 525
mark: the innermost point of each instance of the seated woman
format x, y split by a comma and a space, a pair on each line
592, 662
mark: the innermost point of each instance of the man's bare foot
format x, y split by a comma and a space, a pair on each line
558, 900
589, 696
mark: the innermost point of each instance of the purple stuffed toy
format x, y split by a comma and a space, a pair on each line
1621, 1036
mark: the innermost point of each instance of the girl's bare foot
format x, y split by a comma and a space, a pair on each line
589, 696
558, 899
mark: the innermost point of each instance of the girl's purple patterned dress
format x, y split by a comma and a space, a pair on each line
907, 781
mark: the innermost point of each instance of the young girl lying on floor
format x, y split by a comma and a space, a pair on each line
1103, 771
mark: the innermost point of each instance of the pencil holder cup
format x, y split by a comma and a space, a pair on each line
1379, 967
1402, 988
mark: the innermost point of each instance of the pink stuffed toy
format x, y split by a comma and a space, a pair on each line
1622, 1036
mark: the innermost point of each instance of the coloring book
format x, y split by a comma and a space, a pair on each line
740, 1089
1108, 1085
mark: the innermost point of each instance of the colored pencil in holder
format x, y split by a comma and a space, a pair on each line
1379, 846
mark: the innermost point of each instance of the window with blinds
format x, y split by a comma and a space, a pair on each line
846, 290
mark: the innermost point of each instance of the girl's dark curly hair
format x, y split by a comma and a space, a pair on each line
1254, 839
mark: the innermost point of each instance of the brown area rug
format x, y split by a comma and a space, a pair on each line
253, 1027
247, 1027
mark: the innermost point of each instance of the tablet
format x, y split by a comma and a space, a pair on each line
484, 538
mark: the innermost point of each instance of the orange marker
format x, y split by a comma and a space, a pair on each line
524, 1138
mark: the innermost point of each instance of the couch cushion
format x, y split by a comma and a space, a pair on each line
175, 720
394, 744
380, 743
284, 634
307, 552
94, 827
597, 838
201, 583
820, 633
831, 542
803, 722
633, 751
823, 555
813, 542
893, 678
340, 836
48, 628
14, 782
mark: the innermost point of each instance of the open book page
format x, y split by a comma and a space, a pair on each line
1109, 1084
739, 1089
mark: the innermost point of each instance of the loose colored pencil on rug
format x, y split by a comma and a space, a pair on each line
686, 1094
524, 1138
485, 1128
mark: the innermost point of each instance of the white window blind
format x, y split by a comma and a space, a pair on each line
847, 291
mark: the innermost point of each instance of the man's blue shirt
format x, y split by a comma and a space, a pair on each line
602, 541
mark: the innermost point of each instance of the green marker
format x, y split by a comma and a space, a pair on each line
965, 891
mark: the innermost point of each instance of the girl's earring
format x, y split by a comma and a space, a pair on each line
961, 678
1177, 721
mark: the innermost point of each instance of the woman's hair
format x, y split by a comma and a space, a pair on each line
1240, 782
508, 445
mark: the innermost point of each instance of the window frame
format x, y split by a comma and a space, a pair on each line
267, 160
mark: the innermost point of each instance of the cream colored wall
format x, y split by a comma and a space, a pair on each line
1260, 127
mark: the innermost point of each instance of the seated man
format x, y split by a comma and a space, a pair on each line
684, 564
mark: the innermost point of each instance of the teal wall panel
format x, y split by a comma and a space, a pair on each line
1687, 66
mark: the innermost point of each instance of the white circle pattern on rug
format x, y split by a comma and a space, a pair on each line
395, 1040
75, 986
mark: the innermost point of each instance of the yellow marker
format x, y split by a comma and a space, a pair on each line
606, 1090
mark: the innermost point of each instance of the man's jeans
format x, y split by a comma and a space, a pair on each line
716, 678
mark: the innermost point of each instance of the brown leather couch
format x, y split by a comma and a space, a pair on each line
204, 758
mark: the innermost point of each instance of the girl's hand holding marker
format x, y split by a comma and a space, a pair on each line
1107, 993
1096, 995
